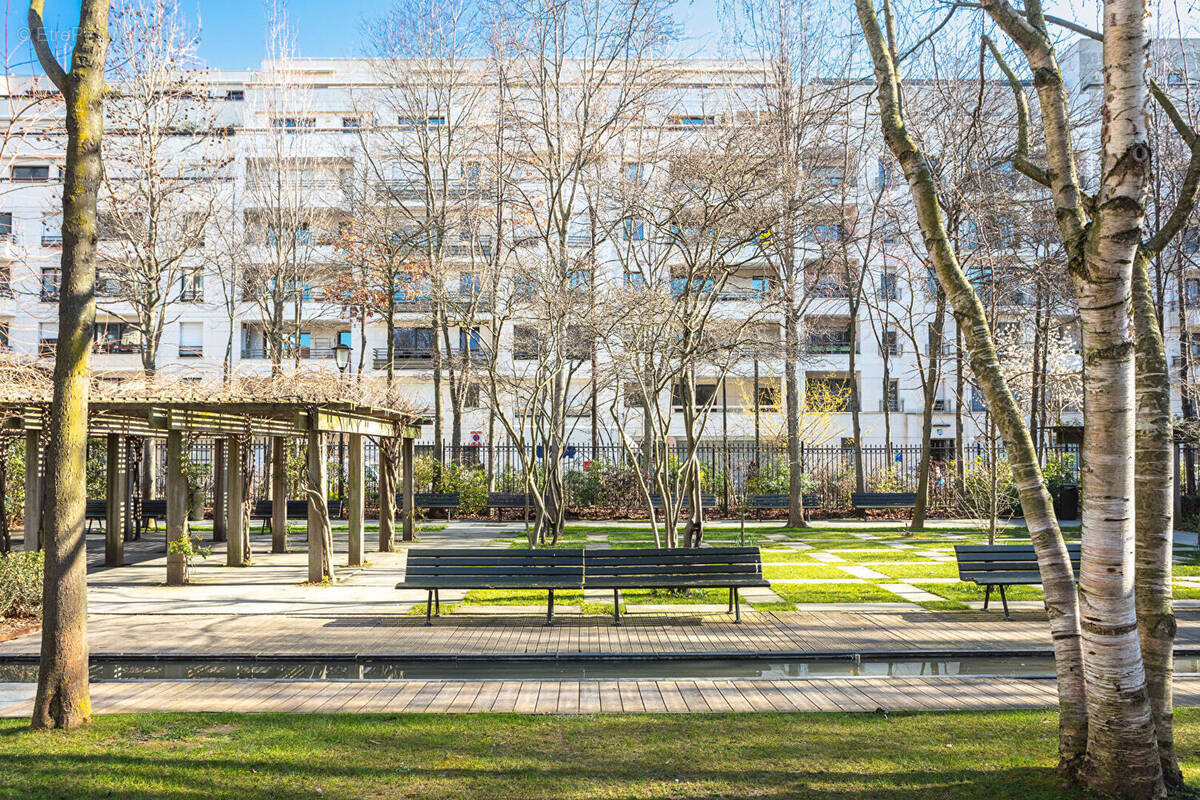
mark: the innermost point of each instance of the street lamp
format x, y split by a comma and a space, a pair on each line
341, 356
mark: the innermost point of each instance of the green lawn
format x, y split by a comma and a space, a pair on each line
964, 591
771, 570
931, 570
964, 756
834, 593
782, 556
868, 556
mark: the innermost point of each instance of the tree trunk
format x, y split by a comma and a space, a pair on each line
1154, 499
932, 375
791, 379
63, 698
1058, 578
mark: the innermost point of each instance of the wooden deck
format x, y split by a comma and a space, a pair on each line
834, 631
580, 697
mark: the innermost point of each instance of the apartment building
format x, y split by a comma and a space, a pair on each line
301, 156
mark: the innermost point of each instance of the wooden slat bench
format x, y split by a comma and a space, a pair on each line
729, 568
500, 501
95, 511
759, 503
865, 501
1001, 565
492, 568
296, 509
447, 500
707, 501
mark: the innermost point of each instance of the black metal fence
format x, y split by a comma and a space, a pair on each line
602, 477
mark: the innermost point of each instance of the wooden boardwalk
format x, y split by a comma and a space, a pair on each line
580, 697
863, 630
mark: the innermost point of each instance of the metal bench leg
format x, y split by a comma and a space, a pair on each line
437, 601
737, 607
429, 608
987, 595
1004, 600
616, 606
550, 608
730, 609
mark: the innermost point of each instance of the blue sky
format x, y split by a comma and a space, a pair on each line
232, 30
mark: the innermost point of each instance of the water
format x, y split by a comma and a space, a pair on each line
711, 669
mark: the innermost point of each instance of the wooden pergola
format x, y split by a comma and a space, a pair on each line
231, 422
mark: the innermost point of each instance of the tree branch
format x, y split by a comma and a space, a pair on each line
37, 35
1021, 159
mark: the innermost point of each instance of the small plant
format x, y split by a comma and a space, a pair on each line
21, 584
190, 548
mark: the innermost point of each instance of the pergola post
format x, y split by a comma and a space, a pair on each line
176, 507
114, 495
355, 485
220, 479
387, 498
235, 502
409, 500
279, 542
318, 508
33, 491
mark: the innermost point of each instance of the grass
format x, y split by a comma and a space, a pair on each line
930, 570
786, 556
965, 756
656, 597
868, 556
522, 597
802, 571
964, 591
944, 605
834, 593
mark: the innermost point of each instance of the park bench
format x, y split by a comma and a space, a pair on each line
509, 500
296, 509
491, 568
447, 500
864, 501
706, 501
95, 511
1002, 565
152, 511
729, 568
759, 503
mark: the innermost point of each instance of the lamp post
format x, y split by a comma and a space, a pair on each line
341, 357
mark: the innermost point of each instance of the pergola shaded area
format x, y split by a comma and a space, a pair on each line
232, 422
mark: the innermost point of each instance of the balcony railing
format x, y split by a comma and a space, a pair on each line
51, 240
829, 345
191, 351
893, 405
46, 347
116, 346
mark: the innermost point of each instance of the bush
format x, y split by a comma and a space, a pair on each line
467, 479
21, 584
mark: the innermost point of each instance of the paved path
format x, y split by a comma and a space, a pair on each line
576, 697
857, 630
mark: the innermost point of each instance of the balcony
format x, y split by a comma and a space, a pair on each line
116, 346
407, 358
829, 344
192, 295
52, 240
46, 347
892, 405
191, 351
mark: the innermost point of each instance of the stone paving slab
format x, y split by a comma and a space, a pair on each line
574, 697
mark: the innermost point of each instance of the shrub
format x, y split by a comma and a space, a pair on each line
21, 584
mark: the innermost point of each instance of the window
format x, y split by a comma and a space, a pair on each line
690, 120
1175, 79
889, 286
471, 396
51, 277
191, 339
825, 233
634, 172
345, 338
891, 395
1191, 292
112, 336
635, 230
191, 286
831, 176
6, 227
5, 280
891, 343
1189, 239
768, 397
293, 124
470, 341
413, 342
47, 338
468, 284
580, 345
5, 345
52, 230
825, 340
761, 284
971, 237
634, 397
351, 123
235, 94
579, 279
887, 172
472, 174
30, 173
435, 121
526, 343
635, 280
706, 393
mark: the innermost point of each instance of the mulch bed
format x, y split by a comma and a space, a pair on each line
12, 627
